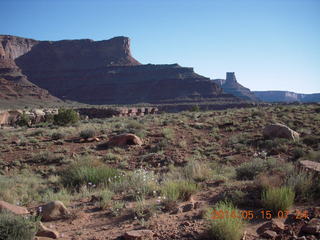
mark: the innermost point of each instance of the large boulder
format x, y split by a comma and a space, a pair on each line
52, 211
125, 139
278, 130
4, 206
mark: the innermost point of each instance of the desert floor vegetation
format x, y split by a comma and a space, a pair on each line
189, 162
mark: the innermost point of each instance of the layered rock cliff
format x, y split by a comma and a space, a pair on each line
14, 85
230, 85
100, 72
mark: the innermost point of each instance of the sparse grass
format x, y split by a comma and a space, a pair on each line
198, 171
57, 135
143, 210
106, 199
87, 171
87, 133
276, 199
15, 227
178, 190
226, 228
46, 157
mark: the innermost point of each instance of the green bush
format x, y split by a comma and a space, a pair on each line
226, 228
57, 135
24, 120
248, 170
105, 199
86, 171
14, 227
66, 117
278, 199
178, 190
87, 133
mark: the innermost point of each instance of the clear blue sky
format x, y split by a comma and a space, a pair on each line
270, 44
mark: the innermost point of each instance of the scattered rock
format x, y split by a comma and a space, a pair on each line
274, 225
43, 231
312, 227
139, 235
188, 207
280, 131
269, 234
310, 166
13, 208
53, 210
125, 139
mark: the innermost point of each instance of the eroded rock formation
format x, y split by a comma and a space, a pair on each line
100, 72
230, 85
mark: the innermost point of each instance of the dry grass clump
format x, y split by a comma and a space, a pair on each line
278, 199
228, 227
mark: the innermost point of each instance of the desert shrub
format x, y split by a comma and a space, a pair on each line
57, 135
302, 183
87, 171
87, 133
143, 210
66, 117
47, 157
297, 153
178, 190
311, 140
195, 108
14, 227
24, 120
116, 208
136, 184
168, 133
248, 170
105, 199
112, 157
197, 171
62, 195
276, 199
21, 188
235, 196
161, 146
226, 228
313, 156
274, 146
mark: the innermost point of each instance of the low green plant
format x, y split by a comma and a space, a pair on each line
105, 199
198, 171
178, 190
278, 199
66, 117
143, 210
87, 133
88, 171
15, 227
116, 208
57, 135
227, 227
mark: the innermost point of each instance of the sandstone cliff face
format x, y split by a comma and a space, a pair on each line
14, 86
99, 72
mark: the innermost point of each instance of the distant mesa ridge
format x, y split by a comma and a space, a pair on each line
231, 86
100, 72
286, 96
